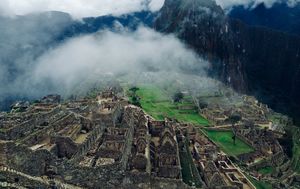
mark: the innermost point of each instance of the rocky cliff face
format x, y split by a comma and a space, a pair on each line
204, 26
252, 59
272, 65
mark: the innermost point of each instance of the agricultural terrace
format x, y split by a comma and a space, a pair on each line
224, 140
159, 104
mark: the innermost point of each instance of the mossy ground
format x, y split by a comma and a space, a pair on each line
189, 170
296, 149
260, 184
224, 140
158, 103
266, 170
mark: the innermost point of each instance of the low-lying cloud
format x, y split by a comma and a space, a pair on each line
87, 59
92, 8
228, 4
78, 8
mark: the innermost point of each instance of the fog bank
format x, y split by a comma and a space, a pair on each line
81, 62
78, 8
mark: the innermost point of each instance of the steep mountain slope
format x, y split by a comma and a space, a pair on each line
255, 60
204, 26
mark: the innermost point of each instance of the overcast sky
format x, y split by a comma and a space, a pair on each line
78, 8
85, 59
92, 8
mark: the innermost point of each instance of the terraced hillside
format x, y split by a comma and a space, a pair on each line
159, 104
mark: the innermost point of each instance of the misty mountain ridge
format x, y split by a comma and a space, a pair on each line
180, 94
251, 59
233, 48
25, 38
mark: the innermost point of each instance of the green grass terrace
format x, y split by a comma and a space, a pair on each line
158, 103
266, 170
260, 184
224, 140
189, 171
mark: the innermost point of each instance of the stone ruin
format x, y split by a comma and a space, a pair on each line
215, 168
107, 143
88, 143
263, 141
249, 108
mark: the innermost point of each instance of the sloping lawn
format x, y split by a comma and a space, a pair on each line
266, 170
260, 184
296, 149
189, 171
159, 105
224, 140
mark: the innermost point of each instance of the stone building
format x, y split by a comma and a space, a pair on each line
215, 168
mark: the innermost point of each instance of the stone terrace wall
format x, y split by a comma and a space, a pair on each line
38, 136
88, 143
127, 150
161, 183
28, 126
100, 177
3, 135
21, 130
21, 179
22, 159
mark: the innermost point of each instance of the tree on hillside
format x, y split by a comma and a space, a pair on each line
135, 99
178, 96
134, 89
202, 103
234, 118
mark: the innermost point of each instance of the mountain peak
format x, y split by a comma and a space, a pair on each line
176, 13
193, 4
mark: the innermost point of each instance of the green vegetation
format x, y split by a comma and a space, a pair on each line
159, 105
189, 171
93, 93
259, 184
135, 100
178, 97
224, 140
296, 149
266, 170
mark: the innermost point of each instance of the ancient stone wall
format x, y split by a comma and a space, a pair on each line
23, 159
3, 135
88, 143
21, 130
127, 150
28, 126
100, 177
65, 147
12, 176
